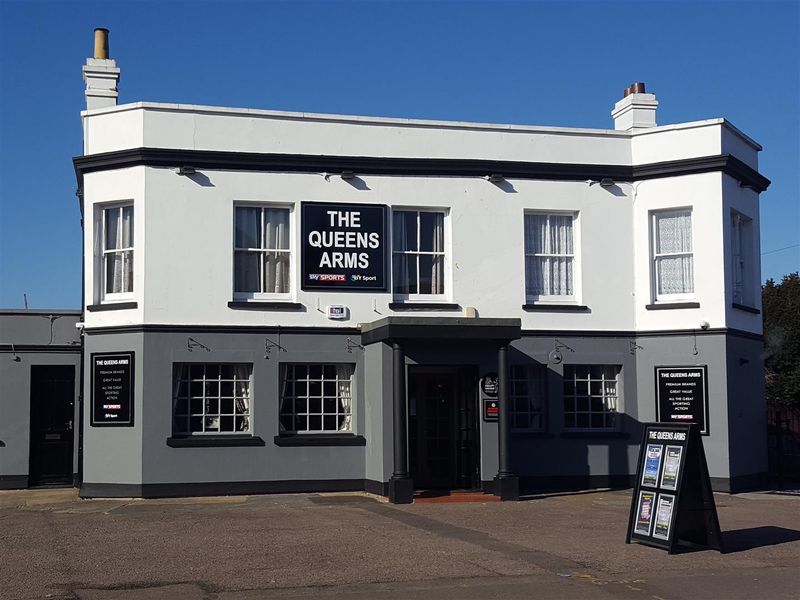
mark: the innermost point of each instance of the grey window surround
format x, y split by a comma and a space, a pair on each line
672, 305
320, 439
745, 308
111, 306
551, 307
262, 305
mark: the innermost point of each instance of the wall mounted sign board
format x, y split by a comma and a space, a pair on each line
343, 246
112, 389
491, 410
490, 385
682, 395
672, 503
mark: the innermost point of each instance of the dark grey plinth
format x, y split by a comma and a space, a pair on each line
401, 490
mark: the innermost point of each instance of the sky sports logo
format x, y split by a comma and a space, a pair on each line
326, 277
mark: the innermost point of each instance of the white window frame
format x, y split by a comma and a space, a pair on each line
617, 397
573, 298
535, 379
266, 296
742, 261
655, 256
445, 295
103, 252
285, 411
218, 397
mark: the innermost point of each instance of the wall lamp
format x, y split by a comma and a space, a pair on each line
186, 171
347, 175
605, 182
494, 178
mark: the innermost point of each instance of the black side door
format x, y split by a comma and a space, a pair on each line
52, 414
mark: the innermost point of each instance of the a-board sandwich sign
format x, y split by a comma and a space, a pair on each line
672, 501
343, 246
112, 389
682, 395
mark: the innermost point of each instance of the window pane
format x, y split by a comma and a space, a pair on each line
548, 276
276, 272
211, 412
431, 274
277, 228
673, 232
431, 232
404, 230
127, 227
675, 274
560, 234
404, 274
112, 228
248, 227
115, 269
246, 272
311, 411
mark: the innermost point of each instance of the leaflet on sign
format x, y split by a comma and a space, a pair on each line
664, 516
672, 465
652, 465
644, 515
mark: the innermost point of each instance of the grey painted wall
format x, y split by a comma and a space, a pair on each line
30, 338
140, 455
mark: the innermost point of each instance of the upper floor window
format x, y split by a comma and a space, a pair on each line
117, 261
591, 397
673, 261
549, 257
262, 252
418, 252
528, 394
742, 259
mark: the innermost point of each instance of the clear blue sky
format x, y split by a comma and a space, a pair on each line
562, 63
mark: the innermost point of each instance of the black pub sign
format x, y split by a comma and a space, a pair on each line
682, 396
343, 246
112, 389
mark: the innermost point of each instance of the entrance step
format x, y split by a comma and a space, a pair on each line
452, 496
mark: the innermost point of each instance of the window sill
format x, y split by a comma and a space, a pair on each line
111, 306
531, 435
325, 439
594, 435
745, 308
545, 307
672, 305
423, 306
257, 305
214, 441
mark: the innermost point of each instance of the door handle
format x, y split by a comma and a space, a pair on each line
69, 425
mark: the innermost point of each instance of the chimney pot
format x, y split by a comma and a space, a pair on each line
101, 43
637, 88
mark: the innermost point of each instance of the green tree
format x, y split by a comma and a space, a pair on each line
781, 304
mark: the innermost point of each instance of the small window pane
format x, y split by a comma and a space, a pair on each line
248, 227
431, 232
127, 227
112, 228
247, 271
404, 273
276, 224
276, 272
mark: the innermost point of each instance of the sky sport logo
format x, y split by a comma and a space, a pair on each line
326, 277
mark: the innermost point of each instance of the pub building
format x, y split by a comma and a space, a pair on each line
294, 302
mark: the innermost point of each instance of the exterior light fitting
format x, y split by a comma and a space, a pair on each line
347, 175
494, 178
606, 182
186, 171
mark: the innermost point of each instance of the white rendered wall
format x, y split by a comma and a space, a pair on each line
189, 257
703, 195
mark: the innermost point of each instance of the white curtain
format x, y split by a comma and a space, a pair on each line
674, 238
549, 255
119, 236
437, 272
242, 392
737, 245
344, 376
404, 274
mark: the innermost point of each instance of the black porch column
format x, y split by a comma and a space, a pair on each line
401, 489
507, 485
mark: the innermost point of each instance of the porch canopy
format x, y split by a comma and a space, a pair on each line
440, 328
397, 331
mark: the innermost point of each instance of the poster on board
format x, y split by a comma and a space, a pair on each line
644, 514
672, 465
664, 513
652, 465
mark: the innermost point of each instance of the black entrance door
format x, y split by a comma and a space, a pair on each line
52, 414
443, 440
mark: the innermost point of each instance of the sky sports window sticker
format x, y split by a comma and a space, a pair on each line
343, 246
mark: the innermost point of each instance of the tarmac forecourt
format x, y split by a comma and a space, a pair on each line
355, 546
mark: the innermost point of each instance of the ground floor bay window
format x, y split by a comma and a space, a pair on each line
591, 397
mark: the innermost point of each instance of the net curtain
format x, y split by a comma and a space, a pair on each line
549, 255
674, 237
